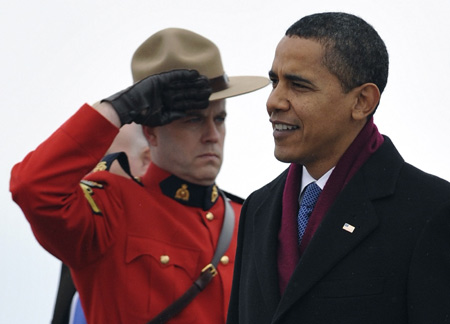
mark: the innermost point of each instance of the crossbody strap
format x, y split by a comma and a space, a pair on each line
208, 272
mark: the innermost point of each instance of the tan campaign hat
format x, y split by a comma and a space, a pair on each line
176, 48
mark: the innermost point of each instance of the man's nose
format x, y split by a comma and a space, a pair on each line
211, 131
277, 100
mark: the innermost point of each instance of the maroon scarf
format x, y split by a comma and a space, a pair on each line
367, 142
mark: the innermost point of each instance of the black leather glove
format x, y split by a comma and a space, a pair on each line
161, 98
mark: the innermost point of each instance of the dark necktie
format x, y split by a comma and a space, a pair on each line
309, 199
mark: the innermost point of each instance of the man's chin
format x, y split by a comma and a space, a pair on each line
283, 157
207, 176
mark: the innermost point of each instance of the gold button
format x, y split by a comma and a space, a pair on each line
164, 259
225, 259
209, 216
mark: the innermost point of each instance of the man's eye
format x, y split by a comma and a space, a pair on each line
193, 120
274, 82
300, 86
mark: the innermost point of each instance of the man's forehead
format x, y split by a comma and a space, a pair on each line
298, 57
215, 107
293, 47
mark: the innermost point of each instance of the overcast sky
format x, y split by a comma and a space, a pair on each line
57, 54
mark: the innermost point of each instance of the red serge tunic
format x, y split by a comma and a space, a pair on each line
132, 249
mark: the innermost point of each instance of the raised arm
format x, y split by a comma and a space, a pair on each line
46, 184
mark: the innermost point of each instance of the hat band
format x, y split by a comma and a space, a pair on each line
218, 84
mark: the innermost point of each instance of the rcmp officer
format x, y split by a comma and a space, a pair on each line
134, 246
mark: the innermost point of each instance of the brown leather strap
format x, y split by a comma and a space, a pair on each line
176, 307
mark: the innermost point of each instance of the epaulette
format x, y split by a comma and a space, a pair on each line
234, 198
121, 157
87, 186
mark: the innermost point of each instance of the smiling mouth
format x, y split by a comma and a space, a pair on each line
284, 127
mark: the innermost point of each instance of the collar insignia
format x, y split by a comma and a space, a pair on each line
182, 193
214, 194
190, 194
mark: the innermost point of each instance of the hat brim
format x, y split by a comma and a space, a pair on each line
239, 85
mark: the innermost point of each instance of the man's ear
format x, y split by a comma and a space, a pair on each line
367, 99
145, 157
150, 135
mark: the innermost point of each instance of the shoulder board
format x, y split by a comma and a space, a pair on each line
234, 198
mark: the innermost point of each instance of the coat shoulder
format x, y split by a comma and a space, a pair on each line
274, 185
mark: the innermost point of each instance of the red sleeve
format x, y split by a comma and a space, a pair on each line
46, 184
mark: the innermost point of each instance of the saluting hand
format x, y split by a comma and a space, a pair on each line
161, 98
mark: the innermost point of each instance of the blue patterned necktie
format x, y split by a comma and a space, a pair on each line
309, 199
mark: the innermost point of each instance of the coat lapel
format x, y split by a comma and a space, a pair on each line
354, 206
330, 244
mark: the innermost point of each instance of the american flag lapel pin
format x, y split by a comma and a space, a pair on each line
349, 228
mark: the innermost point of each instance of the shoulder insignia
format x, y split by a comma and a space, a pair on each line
101, 166
87, 186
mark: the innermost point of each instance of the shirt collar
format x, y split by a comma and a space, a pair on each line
307, 179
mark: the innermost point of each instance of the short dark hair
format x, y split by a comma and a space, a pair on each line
354, 52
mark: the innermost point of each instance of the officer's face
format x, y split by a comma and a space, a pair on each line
191, 147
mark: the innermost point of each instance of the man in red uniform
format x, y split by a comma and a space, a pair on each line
135, 246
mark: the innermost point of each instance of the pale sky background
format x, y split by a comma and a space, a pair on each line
57, 54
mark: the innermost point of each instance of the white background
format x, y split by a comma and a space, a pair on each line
57, 54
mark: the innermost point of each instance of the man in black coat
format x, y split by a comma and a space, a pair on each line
376, 247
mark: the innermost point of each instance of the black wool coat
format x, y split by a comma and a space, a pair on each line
393, 269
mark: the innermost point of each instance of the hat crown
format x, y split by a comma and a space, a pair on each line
176, 48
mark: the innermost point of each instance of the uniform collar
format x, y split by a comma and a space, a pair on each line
182, 191
188, 193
